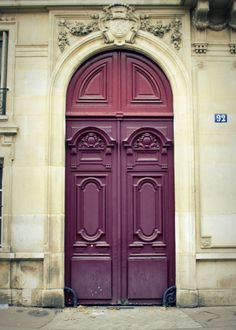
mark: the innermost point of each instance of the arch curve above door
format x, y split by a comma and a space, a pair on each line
119, 181
100, 87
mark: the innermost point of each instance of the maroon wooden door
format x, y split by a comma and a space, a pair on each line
119, 182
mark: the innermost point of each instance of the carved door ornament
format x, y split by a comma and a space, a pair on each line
91, 138
146, 139
87, 142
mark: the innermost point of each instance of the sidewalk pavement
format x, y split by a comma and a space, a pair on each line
114, 318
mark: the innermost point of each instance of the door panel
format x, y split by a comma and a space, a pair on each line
91, 165
91, 206
146, 279
93, 88
91, 278
119, 182
147, 219
144, 87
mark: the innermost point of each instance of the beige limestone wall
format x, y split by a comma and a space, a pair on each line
216, 282
32, 256
29, 192
214, 75
21, 255
216, 94
29, 203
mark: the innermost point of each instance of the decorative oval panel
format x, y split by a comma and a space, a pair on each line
147, 213
91, 209
147, 209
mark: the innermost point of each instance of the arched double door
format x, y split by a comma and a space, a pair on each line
119, 181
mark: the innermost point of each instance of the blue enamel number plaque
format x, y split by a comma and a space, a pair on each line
221, 118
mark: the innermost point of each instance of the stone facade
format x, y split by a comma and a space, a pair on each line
198, 55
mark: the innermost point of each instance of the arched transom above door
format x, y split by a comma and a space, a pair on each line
119, 83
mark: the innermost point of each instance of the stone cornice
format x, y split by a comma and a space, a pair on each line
44, 4
8, 130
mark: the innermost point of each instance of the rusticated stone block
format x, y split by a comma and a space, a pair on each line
53, 298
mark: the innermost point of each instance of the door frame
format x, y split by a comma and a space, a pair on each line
180, 80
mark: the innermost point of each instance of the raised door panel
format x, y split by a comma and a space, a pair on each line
93, 89
119, 83
92, 279
147, 278
91, 208
148, 210
91, 158
145, 89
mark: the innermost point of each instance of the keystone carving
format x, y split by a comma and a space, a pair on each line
119, 24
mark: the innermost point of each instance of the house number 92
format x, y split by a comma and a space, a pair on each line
221, 118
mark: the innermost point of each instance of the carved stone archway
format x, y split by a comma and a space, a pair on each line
145, 43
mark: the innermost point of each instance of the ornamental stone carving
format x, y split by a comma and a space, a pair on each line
7, 19
159, 29
119, 24
200, 47
232, 21
232, 48
200, 15
63, 40
205, 242
217, 20
77, 29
